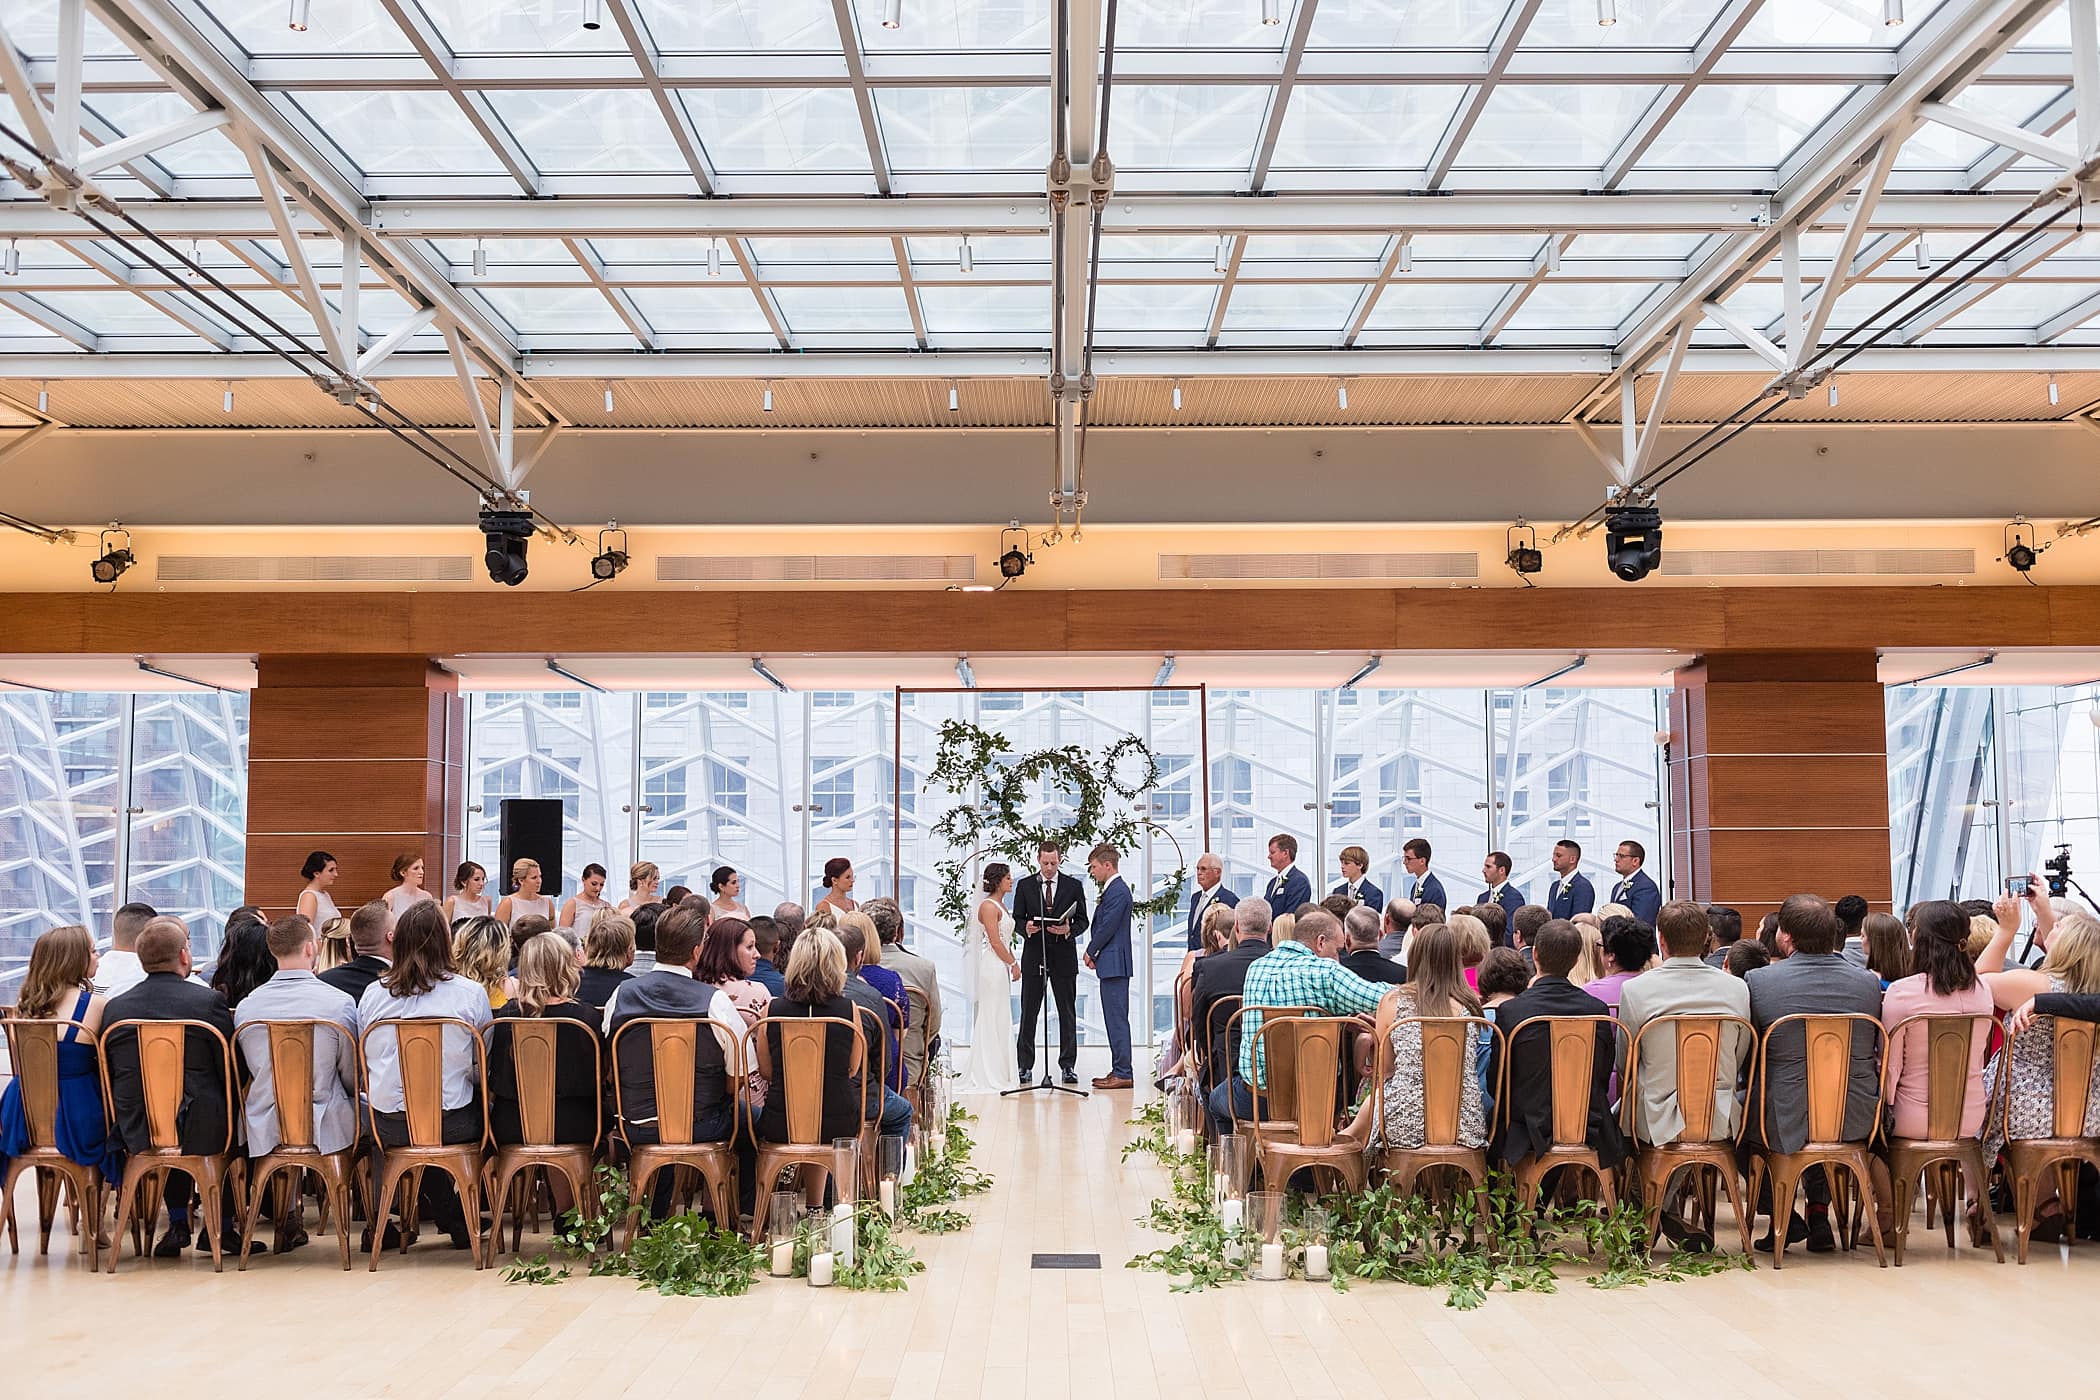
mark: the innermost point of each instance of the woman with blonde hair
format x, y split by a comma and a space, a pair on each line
481, 953
1280, 930
608, 951
642, 879
1473, 945
1590, 966
1436, 986
816, 986
546, 988
60, 985
525, 897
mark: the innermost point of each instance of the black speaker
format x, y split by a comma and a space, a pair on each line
531, 828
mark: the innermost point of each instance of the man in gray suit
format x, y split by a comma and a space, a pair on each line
1811, 978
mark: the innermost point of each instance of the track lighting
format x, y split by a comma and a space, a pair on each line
1271, 12
765, 400
115, 544
1892, 12
1607, 14
714, 257
954, 398
2055, 395
298, 17
611, 558
593, 14
1014, 557
481, 259
1177, 396
892, 14
1924, 258
504, 535
963, 256
1341, 393
11, 261
1633, 541
1223, 260
226, 402
608, 398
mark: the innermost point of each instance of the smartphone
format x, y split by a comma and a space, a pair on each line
2016, 886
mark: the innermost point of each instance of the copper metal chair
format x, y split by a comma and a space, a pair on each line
674, 1058
535, 1057
419, 1047
1446, 1061
2067, 1147
1210, 1073
919, 1012
293, 1048
162, 1047
798, 1077
1954, 1051
1279, 1075
1706, 1074
1827, 1048
1572, 1044
32, 1050
1311, 1051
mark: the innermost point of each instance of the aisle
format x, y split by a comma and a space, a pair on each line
982, 1323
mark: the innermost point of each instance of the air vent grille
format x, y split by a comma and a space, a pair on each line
1417, 565
1692, 563
816, 568
312, 568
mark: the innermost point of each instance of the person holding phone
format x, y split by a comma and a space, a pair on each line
1050, 908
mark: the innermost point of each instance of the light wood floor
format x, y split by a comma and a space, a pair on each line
981, 1323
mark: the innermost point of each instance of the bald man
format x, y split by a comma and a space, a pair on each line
1210, 889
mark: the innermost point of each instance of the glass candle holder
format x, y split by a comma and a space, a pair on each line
816, 1237
1318, 1266
845, 1192
889, 1173
1265, 1224
783, 1230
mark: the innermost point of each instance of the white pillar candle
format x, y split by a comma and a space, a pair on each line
842, 1234
1217, 1187
1232, 1212
783, 1265
1185, 1142
820, 1269
911, 1166
1316, 1261
1272, 1260
887, 1190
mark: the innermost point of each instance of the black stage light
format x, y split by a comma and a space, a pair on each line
1633, 541
117, 557
611, 557
1014, 558
1525, 556
2020, 550
504, 534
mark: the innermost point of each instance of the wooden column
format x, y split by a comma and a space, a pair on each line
360, 756
1779, 780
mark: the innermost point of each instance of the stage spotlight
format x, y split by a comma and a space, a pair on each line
115, 544
504, 535
2021, 552
1525, 556
1014, 557
1633, 541
611, 558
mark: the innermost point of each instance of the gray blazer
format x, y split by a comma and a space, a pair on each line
1812, 984
1683, 987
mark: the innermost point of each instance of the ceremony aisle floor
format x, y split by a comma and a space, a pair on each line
982, 1323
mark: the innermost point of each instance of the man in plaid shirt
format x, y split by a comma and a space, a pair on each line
1302, 971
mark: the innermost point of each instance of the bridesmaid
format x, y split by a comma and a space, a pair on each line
642, 878
469, 898
582, 911
408, 884
60, 984
319, 872
726, 888
838, 887
525, 897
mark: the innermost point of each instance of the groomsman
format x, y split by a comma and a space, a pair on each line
1288, 888
1495, 870
1210, 889
1108, 958
1427, 888
1355, 861
1635, 890
1571, 893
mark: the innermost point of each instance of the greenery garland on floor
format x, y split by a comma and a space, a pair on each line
687, 1255
973, 760
1383, 1234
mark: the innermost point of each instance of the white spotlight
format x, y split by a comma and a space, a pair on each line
43, 398
954, 398
1223, 260
2054, 393
298, 16
226, 403
765, 401
1607, 14
714, 258
1407, 257
965, 257
608, 398
1271, 12
481, 259
11, 261
593, 14
892, 14
1177, 396
1553, 255
1341, 393
1924, 257
1892, 12
1833, 393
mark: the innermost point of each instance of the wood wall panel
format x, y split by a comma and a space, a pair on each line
1772, 864
274, 861
1798, 717
302, 795
1827, 790
342, 722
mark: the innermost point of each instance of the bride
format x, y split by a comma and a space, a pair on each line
990, 970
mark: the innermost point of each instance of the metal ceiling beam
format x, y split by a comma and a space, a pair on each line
863, 100
649, 64
431, 46
622, 304
62, 326
1712, 51
1280, 99
1990, 278
1501, 53
169, 303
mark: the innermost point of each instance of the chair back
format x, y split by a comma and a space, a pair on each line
535, 1061
1447, 1060
1954, 1052
2072, 1081
1220, 1014
903, 1010
1703, 1063
32, 1050
1827, 1067
292, 1048
1304, 1054
674, 1066
162, 1047
419, 1051
920, 1012
1278, 1076
1572, 1063
797, 1074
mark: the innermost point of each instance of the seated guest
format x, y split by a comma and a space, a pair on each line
1436, 986
1222, 976
608, 951
1887, 945
677, 895
1300, 971
1590, 966
167, 994
60, 985
792, 918
547, 985
1851, 914
1337, 905
481, 954
295, 993
672, 990
766, 930
1473, 944
244, 962
1683, 984
1727, 925
1393, 927
728, 955
1629, 946
1425, 916
118, 970
698, 904
1745, 956
527, 926
1527, 1127
887, 984
1524, 926
1812, 979
1945, 984
879, 1022
1495, 919
918, 975
645, 918
1768, 935
1363, 957
1502, 975
372, 947
1214, 937
816, 983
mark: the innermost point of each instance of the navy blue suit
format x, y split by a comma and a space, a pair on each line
1286, 892
1429, 890
1571, 895
1367, 894
1511, 899
1110, 950
1638, 893
1199, 905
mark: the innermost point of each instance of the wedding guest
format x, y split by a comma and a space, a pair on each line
672, 989
1887, 945
816, 981
1590, 966
531, 926
879, 1022
1287, 888
792, 918
677, 895
481, 954
407, 875
1338, 905
1473, 945
1394, 924
725, 888
1768, 935
320, 872
1425, 916
1219, 977
470, 893
118, 970
1503, 974
1499, 892
1528, 1114
59, 984
728, 956
1363, 957
608, 953
244, 961
864, 951
1683, 984
547, 987
1746, 956
372, 948
1436, 988
838, 887
1210, 893
766, 929
1629, 946
525, 897
1945, 984
645, 918
1571, 893
922, 985
1425, 887
1524, 925
1300, 971
642, 880
1727, 926
1852, 917
588, 903
1495, 919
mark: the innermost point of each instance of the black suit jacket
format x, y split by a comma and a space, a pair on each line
356, 975
2078, 1006
1528, 1127
1218, 976
165, 996
1374, 966
1028, 904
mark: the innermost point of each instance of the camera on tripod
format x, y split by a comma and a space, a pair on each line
2058, 867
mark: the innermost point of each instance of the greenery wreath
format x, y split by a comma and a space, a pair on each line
978, 761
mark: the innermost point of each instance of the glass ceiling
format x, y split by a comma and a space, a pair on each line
776, 101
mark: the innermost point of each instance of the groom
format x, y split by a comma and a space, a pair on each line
1051, 911
1109, 957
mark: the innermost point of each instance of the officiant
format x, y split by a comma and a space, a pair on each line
1050, 909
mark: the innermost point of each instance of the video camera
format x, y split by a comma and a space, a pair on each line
2058, 867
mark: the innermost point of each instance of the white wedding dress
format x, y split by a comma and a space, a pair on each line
993, 1067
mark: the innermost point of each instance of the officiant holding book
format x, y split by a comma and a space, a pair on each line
1050, 911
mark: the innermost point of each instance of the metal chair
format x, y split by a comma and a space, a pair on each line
162, 1048
535, 1057
1446, 1061
1706, 1077
419, 1047
32, 1050
1279, 1076
2067, 1147
1314, 1049
1955, 1047
676, 1063
293, 1050
1572, 1045
1827, 1057
797, 1074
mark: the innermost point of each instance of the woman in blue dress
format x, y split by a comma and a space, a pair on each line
60, 984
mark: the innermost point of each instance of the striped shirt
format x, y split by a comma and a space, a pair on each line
1294, 975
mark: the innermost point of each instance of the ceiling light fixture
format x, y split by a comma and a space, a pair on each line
593, 14
1014, 558
954, 398
1984, 660
1363, 671
965, 257
568, 675
765, 399
963, 672
758, 665
43, 396
1577, 664
2021, 551
2055, 394
1607, 14
115, 544
481, 259
1892, 12
226, 402
714, 257
1524, 557
1271, 12
1407, 257
11, 261
1223, 260
892, 14
152, 670
1924, 257
504, 535
1177, 396
1633, 540
1833, 393
1341, 393
608, 398
611, 559
1553, 254
297, 19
